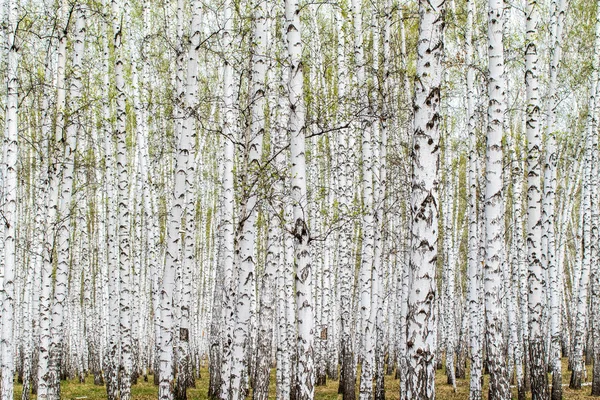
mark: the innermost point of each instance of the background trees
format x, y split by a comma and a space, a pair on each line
229, 184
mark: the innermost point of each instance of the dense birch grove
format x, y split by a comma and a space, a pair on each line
272, 198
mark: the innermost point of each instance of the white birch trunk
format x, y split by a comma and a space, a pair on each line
422, 296
304, 373
10, 150
124, 248
365, 126
49, 201
473, 262
586, 206
449, 266
346, 266
184, 365
246, 232
59, 306
537, 270
266, 313
558, 8
112, 355
227, 206
494, 207
171, 336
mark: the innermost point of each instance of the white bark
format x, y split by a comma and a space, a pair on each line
124, 247
59, 306
227, 204
10, 150
554, 276
266, 312
422, 296
246, 232
365, 127
285, 293
537, 270
345, 142
184, 364
494, 206
304, 373
50, 205
586, 206
473, 262
516, 282
449, 274
168, 294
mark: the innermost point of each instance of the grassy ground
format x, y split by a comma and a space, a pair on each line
147, 391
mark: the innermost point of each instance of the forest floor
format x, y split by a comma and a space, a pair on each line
73, 390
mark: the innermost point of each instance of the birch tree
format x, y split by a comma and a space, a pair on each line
473, 270
168, 303
227, 213
305, 373
494, 206
123, 231
537, 270
246, 232
554, 275
345, 142
583, 276
421, 319
10, 150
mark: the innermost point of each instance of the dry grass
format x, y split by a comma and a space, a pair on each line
147, 391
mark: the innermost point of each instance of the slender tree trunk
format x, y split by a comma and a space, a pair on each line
586, 207
473, 262
10, 151
421, 318
266, 313
494, 208
514, 280
171, 336
184, 367
64, 238
537, 270
50, 183
246, 231
346, 266
220, 381
365, 128
305, 373
558, 8
52, 379
449, 273
123, 223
